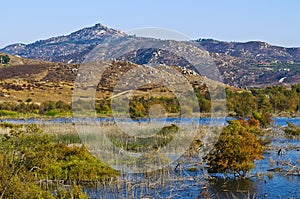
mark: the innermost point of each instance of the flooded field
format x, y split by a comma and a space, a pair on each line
275, 176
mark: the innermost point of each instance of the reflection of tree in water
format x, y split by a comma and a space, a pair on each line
239, 188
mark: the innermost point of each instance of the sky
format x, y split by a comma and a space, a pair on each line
273, 21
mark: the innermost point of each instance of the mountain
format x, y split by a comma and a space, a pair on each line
71, 48
253, 51
255, 63
249, 64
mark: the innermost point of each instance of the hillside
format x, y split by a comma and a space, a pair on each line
254, 64
42, 81
32, 79
250, 64
17, 60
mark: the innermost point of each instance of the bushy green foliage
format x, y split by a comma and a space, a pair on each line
270, 100
265, 102
5, 113
52, 108
243, 104
139, 106
48, 108
236, 149
264, 119
27, 155
52, 113
18, 188
4, 59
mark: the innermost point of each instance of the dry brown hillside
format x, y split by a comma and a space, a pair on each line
42, 81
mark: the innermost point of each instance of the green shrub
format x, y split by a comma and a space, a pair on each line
5, 113
4, 59
52, 113
27, 156
235, 151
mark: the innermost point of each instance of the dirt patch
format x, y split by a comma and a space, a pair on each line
21, 71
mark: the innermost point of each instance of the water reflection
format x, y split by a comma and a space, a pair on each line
239, 188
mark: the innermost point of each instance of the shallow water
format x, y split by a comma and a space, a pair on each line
277, 185
261, 184
187, 184
279, 121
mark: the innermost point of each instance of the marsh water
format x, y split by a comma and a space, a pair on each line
262, 181
272, 177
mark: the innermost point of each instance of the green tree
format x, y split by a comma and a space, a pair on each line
263, 103
236, 150
4, 59
263, 118
245, 104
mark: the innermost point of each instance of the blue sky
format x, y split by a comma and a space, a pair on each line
273, 21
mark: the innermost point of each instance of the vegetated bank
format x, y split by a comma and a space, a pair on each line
273, 101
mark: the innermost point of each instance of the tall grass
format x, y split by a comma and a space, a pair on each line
70, 138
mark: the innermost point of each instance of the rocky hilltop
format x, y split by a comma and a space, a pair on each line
71, 48
250, 64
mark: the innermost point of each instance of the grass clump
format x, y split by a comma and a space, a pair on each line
140, 144
6, 113
292, 129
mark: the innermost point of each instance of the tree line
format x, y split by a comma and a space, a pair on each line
267, 101
270, 100
48, 108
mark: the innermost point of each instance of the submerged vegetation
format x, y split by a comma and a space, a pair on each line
292, 129
138, 144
